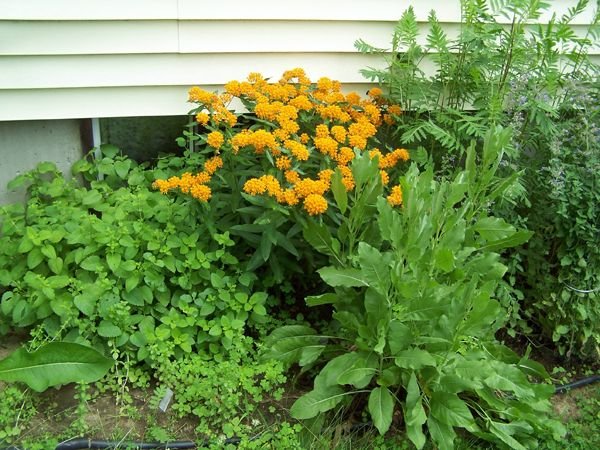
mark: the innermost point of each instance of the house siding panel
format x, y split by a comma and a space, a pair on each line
73, 58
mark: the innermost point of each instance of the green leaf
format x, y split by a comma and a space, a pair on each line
442, 434
319, 237
342, 277
361, 372
493, 228
113, 260
414, 359
399, 336
323, 299
86, 303
289, 344
444, 260
122, 168
92, 263
339, 191
414, 415
54, 364
375, 267
317, 401
34, 258
334, 368
508, 378
381, 408
108, 329
450, 409
55, 265
518, 238
504, 432
92, 198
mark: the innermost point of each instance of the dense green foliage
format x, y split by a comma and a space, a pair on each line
305, 238
414, 317
505, 67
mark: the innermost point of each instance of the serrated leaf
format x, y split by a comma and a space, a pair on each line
113, 260
34, 258
381, 408
86, 303
55, 265
108, 329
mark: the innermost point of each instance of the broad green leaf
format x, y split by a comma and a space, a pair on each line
450, 409
508, 378
442, 434
375, 267
53, 364
92, 263
377, 307
362, 371
55, 265
289, 344
319, 237
399, 336
381, 408
414, 359
342, 277
504, 432
92, 198
493, 228
444, 259
414, 415
317, 401
334, 368
518, 238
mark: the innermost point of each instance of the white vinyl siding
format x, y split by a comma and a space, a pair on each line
115, 58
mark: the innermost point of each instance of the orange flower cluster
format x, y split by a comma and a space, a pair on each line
302, 128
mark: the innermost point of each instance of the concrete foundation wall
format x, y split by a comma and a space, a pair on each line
24, 144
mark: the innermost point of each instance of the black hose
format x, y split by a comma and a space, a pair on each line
79, 444
576, 384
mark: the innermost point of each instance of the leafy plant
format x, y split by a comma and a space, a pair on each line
414, 317
472, 86
121, 267
54, 364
